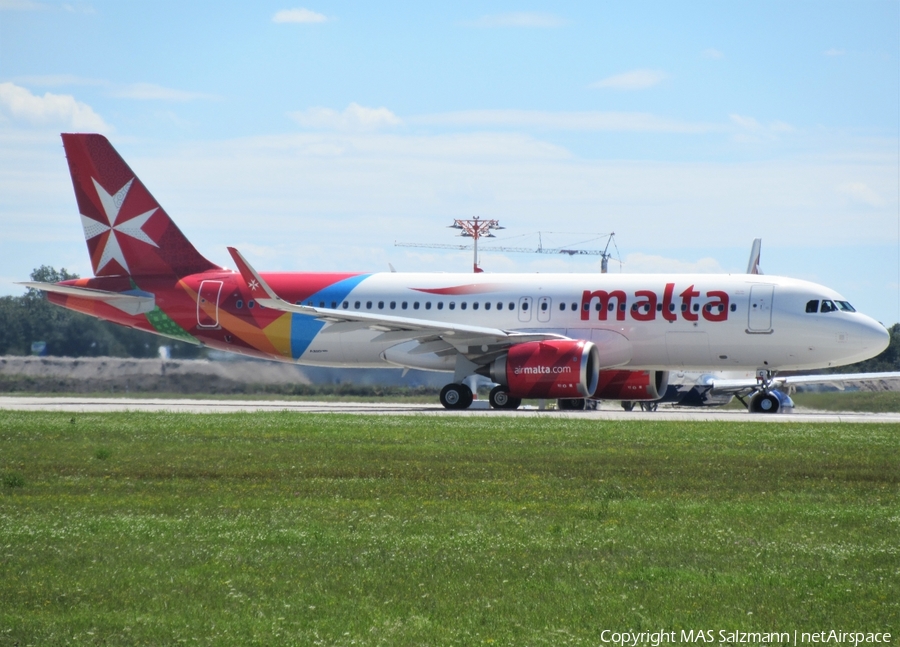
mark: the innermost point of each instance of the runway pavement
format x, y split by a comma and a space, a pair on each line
84, 405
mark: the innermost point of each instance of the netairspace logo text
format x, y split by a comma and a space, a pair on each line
734, 637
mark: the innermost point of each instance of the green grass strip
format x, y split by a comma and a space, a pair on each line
282, 528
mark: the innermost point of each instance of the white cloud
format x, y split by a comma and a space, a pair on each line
633, 80
861, 193
153, 92
712, 53
519, 19
298, 16
354, 118
750, 130
56, 109
85, 9
571, 121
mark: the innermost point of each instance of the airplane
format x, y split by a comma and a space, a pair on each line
552, 336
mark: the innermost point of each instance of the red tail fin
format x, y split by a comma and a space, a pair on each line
126, 230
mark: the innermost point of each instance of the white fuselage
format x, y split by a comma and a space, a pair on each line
672, 322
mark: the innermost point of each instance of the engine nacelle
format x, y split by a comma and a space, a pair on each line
547, 369
631, 385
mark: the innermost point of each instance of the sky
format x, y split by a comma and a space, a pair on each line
315, 136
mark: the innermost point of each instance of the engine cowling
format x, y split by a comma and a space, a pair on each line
631, 385
548, 369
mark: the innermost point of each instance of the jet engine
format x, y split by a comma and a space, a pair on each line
631, 385
547, 369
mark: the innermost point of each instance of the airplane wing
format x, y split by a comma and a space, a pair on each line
472, 341
133, 303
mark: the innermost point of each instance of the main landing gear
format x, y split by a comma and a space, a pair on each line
500, 399
459, 396
456, 396
570, 404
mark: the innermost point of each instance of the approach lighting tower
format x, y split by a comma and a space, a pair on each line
475, 229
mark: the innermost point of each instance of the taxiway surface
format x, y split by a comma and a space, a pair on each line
85, 405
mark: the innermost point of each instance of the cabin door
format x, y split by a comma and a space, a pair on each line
208, 304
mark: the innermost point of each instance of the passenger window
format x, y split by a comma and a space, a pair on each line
574, 307
734, 307
356, 305
544, 306
512, 306
240, 304
368, 305
475, 306
346, 305
697, 307
440, 305
463, 305
524, 305
334, 305
659, 307
487, 305
381, 305
428, 305
562, 307
812, 306
393, 305
403, 305
251, 304
452, 305
415, 305
321, 304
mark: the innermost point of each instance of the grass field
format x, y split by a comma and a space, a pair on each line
268, 529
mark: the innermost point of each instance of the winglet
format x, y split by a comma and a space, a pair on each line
259, 289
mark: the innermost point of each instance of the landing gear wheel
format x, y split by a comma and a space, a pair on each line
628, 405
764, 403
500, 399
570, 404
456, 396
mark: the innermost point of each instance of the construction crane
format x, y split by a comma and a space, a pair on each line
477, 229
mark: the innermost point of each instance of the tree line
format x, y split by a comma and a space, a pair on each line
31, 318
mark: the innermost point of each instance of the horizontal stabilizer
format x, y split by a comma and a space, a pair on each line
135, 303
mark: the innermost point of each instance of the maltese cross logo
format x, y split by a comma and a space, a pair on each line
133, 228
253, 285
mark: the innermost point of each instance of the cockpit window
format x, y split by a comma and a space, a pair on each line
846, 307
812, 306
828, 306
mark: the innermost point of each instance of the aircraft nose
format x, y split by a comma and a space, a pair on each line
873, 337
